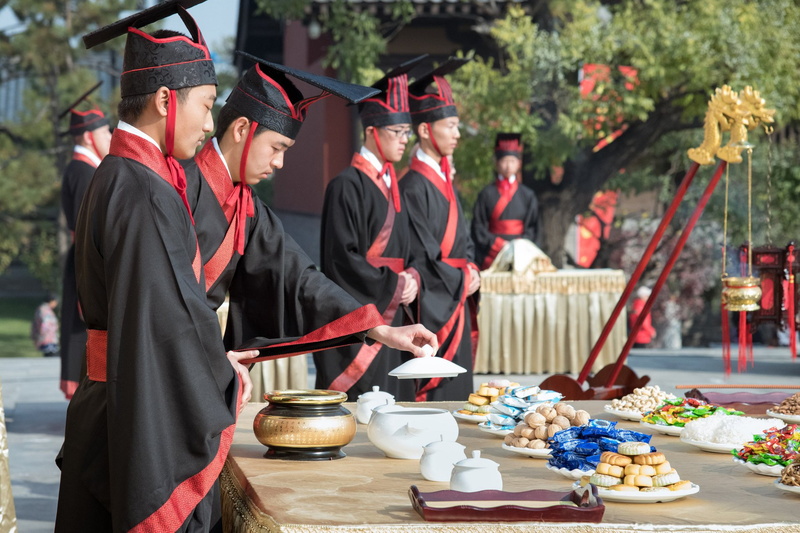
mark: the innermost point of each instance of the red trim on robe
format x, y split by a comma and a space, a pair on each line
83, 158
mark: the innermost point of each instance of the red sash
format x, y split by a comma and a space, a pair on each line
233, 206
83, 158
506, 227
366, 355
455, 324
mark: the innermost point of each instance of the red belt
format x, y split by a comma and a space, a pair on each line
456, 262
506, 227
395, 264
96, 349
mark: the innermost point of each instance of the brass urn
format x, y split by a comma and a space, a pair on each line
741, 293
304, 425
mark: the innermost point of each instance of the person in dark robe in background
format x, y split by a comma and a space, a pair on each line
91, 137
365, 244
440, 246
278, 300
149, 427
505, 209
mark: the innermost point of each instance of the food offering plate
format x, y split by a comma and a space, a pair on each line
469, 418
713, 447
761, 468
643, 497
579, 505
494, 430
789, 419
788, 488
625, 415
571, 474
543, 453
675, 431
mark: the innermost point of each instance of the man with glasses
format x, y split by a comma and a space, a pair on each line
365, 242
441, 248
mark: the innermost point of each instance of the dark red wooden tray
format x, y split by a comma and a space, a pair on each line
580, 505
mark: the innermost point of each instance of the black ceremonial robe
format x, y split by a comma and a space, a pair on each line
502, 212
279, 302
441, 251
148, 429
74, 183
364, 245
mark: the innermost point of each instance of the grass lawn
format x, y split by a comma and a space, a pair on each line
16, 315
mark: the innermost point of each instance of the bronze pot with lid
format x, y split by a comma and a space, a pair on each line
304, 425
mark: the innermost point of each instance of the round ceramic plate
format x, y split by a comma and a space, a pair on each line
787, 488
494, 430
572, 474
625, 415
543, 453
643, 497
714, 447
675, 431
470, 418
789, 419
764, 470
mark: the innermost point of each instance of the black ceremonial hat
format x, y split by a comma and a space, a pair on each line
82, 121
150, 62
391, 105
266, 95
508, 144
429, 104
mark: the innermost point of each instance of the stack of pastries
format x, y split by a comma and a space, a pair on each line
634, 467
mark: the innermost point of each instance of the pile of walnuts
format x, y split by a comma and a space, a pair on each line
543, 423
642, 399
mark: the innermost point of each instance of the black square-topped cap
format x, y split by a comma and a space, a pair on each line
81, 121
391, 105
508, 144
429, 104
150, 62
266, 95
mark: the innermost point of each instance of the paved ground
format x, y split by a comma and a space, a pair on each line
35, 410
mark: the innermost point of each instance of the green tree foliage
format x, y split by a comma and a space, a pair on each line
45, 51
681, 52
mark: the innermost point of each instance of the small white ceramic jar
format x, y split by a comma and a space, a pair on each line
476, 474
369, 401
438, 458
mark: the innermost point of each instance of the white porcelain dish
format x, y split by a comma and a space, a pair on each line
787, 488
469, 418
761, 468
494, 430
675, 431
625, 415
572, 474
543, 453
714, 447
789, 419
643, 497
427, 367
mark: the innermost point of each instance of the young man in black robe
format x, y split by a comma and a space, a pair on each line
365, 243
505, 209
279, 302
149, 427
91, 136
441, 248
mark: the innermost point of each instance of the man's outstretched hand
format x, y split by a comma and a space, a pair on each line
407, 338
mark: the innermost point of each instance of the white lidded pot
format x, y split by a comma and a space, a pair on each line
438, 458
370, 400
401, 432
476, 474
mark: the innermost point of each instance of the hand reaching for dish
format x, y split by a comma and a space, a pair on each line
407, 338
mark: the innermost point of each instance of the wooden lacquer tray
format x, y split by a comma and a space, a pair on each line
580, 505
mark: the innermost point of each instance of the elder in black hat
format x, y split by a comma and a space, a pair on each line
440, 247
150, 425
246, 254
91, 136
505, 209
364, 241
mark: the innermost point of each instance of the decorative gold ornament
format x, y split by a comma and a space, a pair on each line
741, 293
734, 112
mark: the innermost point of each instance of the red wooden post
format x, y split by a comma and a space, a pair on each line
651, 247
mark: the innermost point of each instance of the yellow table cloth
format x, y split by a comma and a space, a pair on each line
368, 492
547, 322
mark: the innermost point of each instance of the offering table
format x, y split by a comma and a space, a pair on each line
547, 322
367, 491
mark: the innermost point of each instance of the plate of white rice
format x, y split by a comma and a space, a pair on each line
720, 433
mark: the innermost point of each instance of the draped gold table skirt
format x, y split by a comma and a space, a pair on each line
367, 491
547, 323
8, 516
